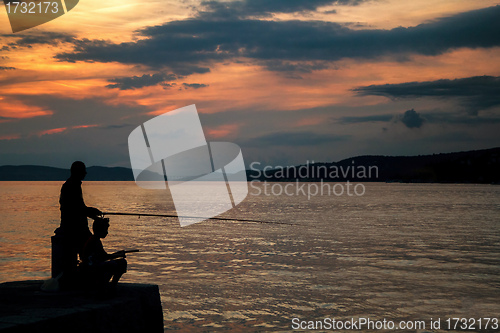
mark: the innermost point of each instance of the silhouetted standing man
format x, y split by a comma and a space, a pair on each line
74, 230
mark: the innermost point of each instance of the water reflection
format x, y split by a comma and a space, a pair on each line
400, 252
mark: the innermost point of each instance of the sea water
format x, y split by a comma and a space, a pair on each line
411, 254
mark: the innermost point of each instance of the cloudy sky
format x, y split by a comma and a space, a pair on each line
287, 80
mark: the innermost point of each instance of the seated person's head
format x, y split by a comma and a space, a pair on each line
100, 227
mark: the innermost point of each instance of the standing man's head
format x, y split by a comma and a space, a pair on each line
78, 170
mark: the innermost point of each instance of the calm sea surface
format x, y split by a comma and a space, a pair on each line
401, 252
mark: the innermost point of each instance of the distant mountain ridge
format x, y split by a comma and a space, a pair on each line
476, 166
44, 173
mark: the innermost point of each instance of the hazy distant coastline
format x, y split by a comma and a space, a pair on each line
476, 166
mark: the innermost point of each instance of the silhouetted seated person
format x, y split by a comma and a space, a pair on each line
99, 267
74, 230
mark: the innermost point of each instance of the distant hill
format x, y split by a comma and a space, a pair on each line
477, 166
44, 173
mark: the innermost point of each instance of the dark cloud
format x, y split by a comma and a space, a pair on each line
366, 119
116, 126
193, 45
5, 68
293, 139
412, 119
42, 37
478, 92
246, 8
460, 119
293, 69
146, 80
195, 85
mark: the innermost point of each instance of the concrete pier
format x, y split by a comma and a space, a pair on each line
25, 308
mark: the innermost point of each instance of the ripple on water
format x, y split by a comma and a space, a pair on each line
402, 251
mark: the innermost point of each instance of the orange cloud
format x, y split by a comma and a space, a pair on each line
52, 131
222, 131
309, 122
62, 129
84, 126
390, 14
13, 108
10, 137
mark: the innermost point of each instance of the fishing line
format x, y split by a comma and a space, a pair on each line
210, 218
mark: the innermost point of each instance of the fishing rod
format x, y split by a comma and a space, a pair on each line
197, 217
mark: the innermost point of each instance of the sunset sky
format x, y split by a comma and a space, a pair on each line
287, 80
